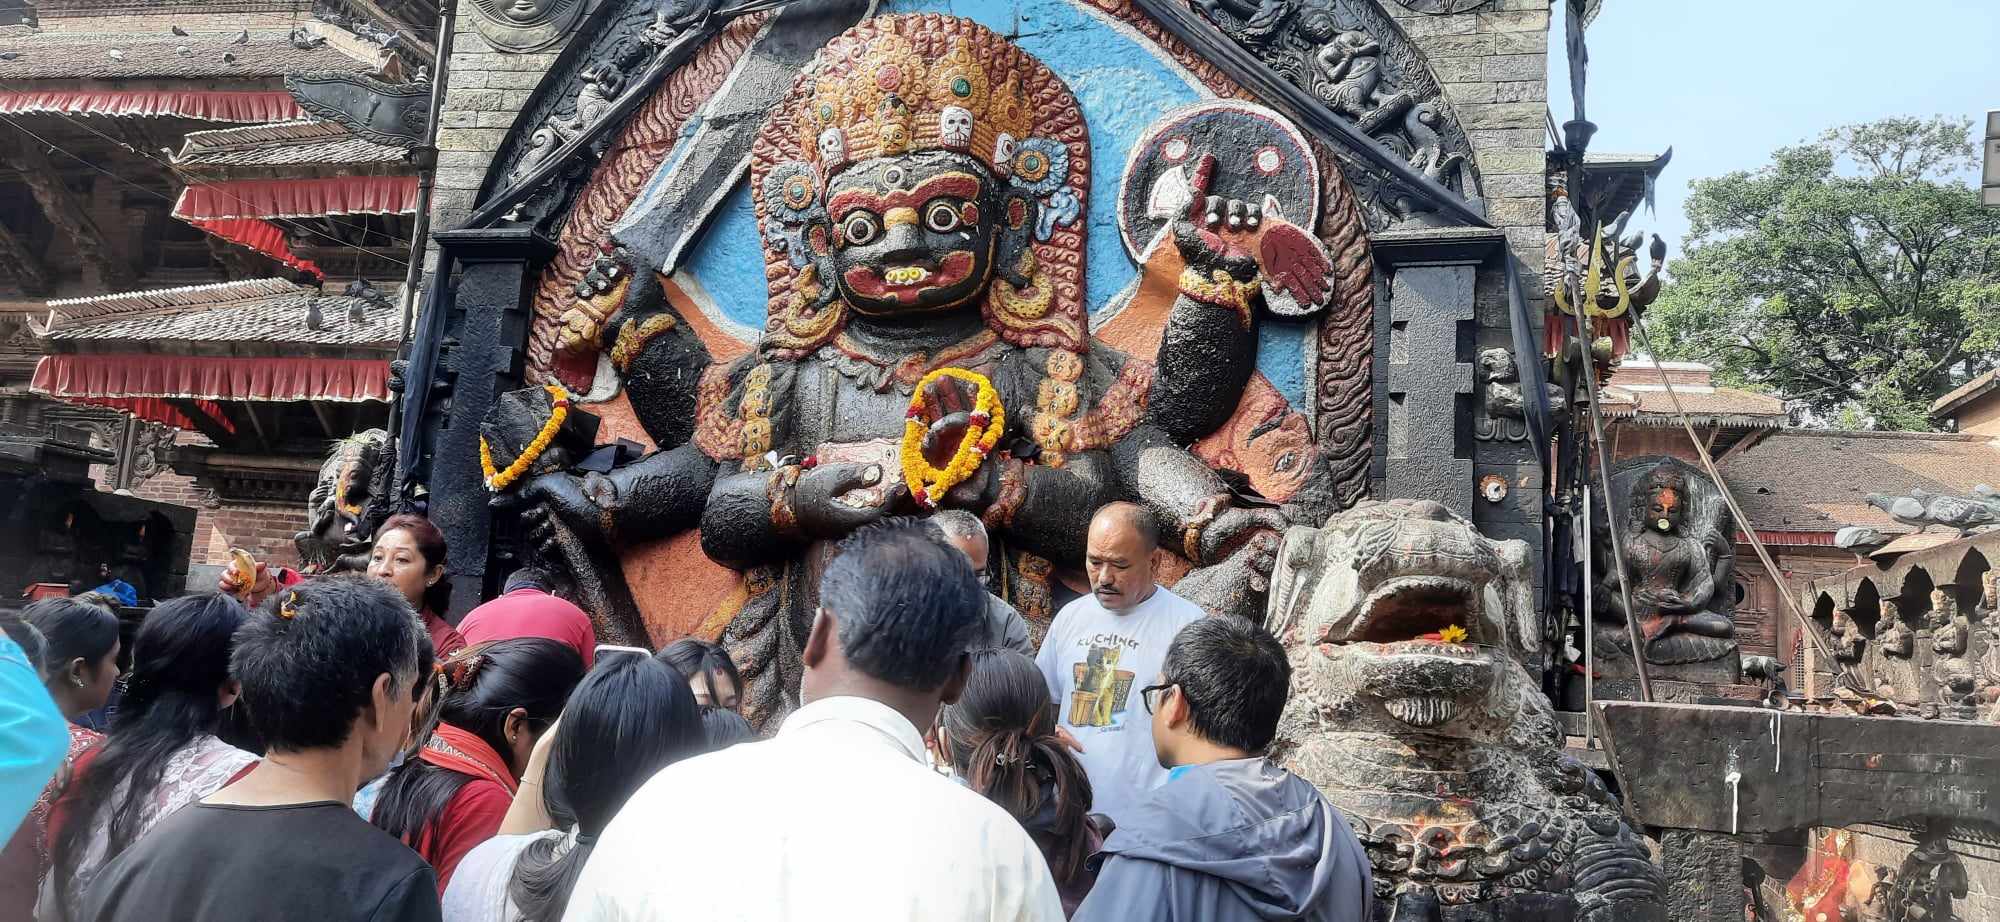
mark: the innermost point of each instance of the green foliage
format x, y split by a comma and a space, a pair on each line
1857, 275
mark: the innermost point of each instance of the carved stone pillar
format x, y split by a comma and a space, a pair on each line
1704, 876
481, 358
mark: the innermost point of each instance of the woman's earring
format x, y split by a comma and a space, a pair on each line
78, 680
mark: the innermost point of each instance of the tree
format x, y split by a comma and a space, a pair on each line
1857, 275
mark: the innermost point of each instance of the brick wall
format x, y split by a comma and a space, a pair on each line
263, 529
484, 91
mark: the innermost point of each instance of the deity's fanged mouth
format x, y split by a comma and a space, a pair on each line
906, 282
1428, 610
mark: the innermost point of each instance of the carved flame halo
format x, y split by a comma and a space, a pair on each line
899, 85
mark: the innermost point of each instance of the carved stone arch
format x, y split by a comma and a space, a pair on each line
1968, 582
1865, 607
1913, 600
1356, 61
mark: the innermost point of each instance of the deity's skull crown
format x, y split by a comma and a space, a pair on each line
880, 97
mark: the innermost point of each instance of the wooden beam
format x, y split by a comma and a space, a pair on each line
20, 261
248, 411
406, 30
205, 424
68, 212
324, 411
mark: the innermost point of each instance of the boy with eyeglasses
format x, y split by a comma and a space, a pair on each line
1230, 837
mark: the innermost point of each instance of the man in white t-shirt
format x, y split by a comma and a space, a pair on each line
1104, 647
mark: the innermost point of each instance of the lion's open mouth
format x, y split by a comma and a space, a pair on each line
1419, 610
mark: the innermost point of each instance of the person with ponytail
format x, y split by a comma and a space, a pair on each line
494, 701
409, 554
161, 753
631, 717
1000, 738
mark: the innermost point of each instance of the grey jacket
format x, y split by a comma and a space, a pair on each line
1235, 841
1005, 628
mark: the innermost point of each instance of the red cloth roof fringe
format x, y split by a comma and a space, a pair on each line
259, 235
210, 105
115, 379
298, 198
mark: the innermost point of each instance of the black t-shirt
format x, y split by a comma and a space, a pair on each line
317, 862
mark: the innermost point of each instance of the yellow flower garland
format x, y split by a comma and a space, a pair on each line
927, 483
497, 481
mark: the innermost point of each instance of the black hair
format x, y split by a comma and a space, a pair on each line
1135, 517
724, 728
480, 686
308, 659
430, 544
1002, 741
905, 606
693, 656
180, 661
1234, 676
525, 578
631, 717
24, 635
72, 628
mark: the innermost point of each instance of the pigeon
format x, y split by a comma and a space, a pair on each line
9, 55
314, 319
1923, 509
357, 311
229, 57
116, 55
242, 38
184, 51
180, 31
305, 39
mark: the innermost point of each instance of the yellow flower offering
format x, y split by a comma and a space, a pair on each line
929, 483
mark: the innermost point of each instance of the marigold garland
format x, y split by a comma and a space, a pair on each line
928, 483
497, 481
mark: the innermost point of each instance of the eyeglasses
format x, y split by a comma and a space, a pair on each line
1152, 695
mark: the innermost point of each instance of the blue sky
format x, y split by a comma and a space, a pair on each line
1725, 82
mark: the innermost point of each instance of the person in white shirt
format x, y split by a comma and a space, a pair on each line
1102, 647
839, 816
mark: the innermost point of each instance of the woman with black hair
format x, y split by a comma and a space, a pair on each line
409, 554
162, 752
708, 670
631, 717
725, 728
1000, 738
80, 655
494, 701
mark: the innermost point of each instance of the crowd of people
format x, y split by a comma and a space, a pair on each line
336, 749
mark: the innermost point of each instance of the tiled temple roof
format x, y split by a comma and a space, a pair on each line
251, 311
282, 144
1819, 479
64, 55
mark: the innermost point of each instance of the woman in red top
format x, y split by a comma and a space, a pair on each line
494, 701
75, 645
409, 555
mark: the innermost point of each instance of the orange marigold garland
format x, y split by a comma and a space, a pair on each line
927, 482
497, 481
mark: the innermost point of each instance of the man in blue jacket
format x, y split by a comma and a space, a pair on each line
1230, 837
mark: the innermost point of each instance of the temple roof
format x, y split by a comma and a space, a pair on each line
1636, 394
66, 55
1819, 479
1965, 393
252, 311
304, 142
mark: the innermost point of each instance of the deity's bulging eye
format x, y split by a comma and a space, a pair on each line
860, 228
941, 216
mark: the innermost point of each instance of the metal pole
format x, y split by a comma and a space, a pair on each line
1589, 632
1589, 371
426, 158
